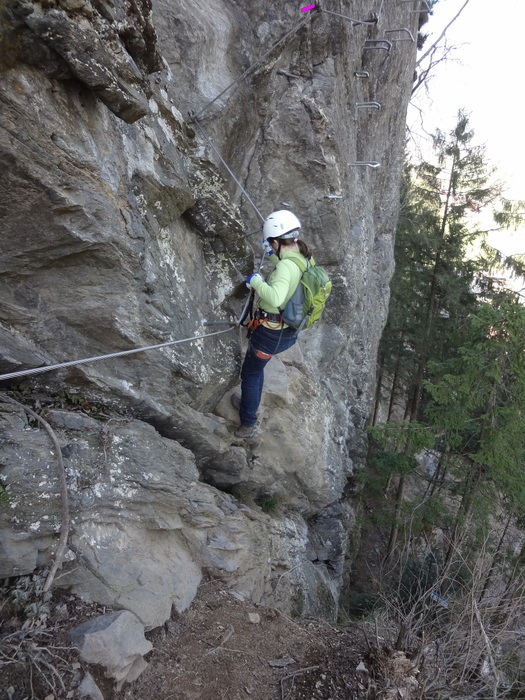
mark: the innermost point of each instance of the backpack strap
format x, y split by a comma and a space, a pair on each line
302, 270
300, 265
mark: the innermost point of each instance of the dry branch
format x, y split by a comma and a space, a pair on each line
64, 497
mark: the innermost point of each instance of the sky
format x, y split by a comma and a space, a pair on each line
485, 77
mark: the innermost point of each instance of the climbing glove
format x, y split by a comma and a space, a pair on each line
267, 247
250, 278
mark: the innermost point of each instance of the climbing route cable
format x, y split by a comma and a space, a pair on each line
230, 171
242, 315
380, 9
120, 353
251, 68
354, 21
205, 136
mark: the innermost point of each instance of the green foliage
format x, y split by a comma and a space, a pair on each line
396, 445
4, 495
25, 596
417, 577
453, 351
267, 502
71, 398
510, 213
426, 514
434, 281
478, 396
388, 463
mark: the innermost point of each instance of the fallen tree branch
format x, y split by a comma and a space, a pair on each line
299, 672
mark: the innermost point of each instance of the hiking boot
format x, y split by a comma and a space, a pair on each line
235, 401
247, 431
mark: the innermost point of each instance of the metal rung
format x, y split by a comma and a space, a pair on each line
362, 74
404, 29
369, 163
378, 44
373, 104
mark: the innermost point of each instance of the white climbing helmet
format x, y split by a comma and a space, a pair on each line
281, 224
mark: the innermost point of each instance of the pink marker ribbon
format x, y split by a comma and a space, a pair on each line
308, 7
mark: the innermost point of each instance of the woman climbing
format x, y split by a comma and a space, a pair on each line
271, 335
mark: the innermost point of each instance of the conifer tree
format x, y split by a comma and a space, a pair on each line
436, 293
461, 182
478, 408
432, 287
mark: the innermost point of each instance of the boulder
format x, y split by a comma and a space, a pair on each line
116, 642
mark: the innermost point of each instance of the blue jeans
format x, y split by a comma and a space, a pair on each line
263, 344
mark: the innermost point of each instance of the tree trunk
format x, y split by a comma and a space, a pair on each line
496, 556
393, 389
395, 525
437, 478
379, 386
471, 486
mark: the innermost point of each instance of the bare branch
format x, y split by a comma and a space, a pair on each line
432, 47
65, 517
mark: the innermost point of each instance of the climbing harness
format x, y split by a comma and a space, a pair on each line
257, 318
252, 325
267, 316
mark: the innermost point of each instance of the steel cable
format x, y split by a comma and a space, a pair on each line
120, 353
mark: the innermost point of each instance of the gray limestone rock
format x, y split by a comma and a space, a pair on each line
130, 491
116, 642
89, 60
89, 689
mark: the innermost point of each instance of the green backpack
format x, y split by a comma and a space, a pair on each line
309, 299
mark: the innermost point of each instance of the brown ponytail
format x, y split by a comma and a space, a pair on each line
303, 249
288, 242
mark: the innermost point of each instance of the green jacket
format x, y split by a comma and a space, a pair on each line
282, 283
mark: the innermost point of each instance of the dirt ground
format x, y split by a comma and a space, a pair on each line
221, 648
224, 648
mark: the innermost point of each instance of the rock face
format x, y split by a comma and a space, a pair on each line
121, 229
